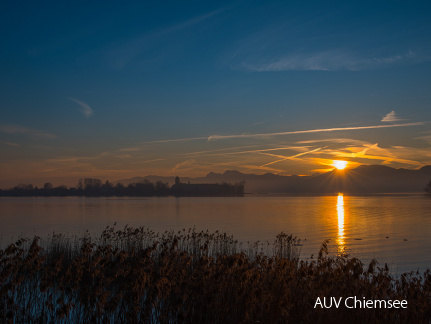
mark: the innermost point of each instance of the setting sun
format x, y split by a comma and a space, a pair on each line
340, 165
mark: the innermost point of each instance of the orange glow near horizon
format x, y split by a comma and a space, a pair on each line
340, 165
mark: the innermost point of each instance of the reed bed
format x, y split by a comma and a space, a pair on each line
134, 275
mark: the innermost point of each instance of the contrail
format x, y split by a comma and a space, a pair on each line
320, 130
177, 140
284, 158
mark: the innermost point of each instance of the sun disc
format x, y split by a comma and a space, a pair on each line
340, 165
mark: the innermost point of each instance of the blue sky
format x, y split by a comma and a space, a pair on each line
114, 90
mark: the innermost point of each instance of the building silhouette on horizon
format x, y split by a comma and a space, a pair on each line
180, 189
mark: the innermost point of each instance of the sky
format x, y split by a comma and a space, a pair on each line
115, 90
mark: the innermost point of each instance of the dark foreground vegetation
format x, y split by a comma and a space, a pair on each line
138, 276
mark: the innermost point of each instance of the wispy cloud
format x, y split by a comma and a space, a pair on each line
330, 60
191, 22
390, 117
10, 144
121, 55
320, 130
386, 155
203, 153
426, 138
222, 137
249, 167
324, 61
211, 153
143, 145
333, 140
177, 140
184, 165
293, 157
17, 129
86, 110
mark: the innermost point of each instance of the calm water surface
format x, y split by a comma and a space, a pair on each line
392, 229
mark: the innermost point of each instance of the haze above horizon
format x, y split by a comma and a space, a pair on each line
169, 88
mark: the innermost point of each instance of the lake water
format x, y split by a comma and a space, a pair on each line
391, 228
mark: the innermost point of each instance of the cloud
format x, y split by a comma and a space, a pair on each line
86, 110
324, 61
292, 148
191, 22
249, 167
426, 138
121, 55
220, 137
331, 60
321, 130
394, 154
333, 140
203, 153
284, 158
185, 165
17, 129
271, 51
143, 145
177, 140
390, 117
10, 144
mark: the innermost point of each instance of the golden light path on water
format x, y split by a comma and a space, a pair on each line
340, 213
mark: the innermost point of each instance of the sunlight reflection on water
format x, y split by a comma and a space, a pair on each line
392, 228
340, 215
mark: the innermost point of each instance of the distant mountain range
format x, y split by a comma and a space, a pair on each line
363, 179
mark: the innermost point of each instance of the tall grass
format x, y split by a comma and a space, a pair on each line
136, 275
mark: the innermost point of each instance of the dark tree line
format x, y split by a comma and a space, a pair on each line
428, 187
210, 190
29, 190
93, 188
96, 188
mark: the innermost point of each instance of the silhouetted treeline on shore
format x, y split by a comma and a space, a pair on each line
428, 187
365, 179
96, 188
180, 189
